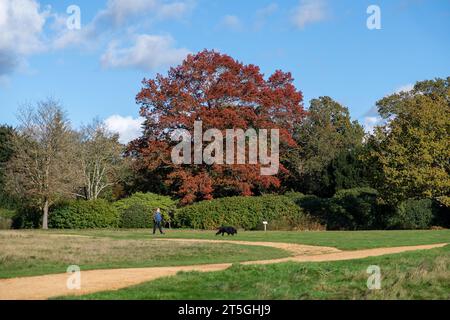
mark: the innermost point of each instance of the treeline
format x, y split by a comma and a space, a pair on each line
402, 169
45, 161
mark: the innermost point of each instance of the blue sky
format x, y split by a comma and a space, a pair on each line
97, 71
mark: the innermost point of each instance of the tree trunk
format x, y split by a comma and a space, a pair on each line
45, 218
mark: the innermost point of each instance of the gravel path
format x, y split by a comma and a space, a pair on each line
44, 287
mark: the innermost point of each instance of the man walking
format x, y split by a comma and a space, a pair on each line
157, 221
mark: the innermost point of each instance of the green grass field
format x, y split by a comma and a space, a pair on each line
413, 275
344, 240
28, 253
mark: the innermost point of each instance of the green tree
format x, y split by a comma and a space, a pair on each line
6, 151
412, 151
326, 133
348, 170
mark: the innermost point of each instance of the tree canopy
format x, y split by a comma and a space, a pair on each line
412, 151
326, 133
224, 94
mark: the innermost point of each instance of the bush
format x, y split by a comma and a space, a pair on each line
350, 209
414, 214
442, 215
81, 214
136, 216
354, 209
140, 208
244, 212
6, 218
27, 217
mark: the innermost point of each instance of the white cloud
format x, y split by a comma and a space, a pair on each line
309, 11
405, 88
117, 11
128, 128
175, 10
120, 15
263, 13
21, 24
371, 122
26, 28
68, 38
231, 22
149, 52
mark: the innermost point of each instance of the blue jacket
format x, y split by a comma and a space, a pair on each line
158, 217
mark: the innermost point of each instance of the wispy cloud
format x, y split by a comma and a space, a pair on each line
308, 12
123, 15
263, 13
231, 22
405, 88
371, 122
148, 52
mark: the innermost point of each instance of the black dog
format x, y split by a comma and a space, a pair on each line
228, 230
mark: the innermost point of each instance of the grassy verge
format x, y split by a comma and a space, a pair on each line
413, 275
344, 240
36, 253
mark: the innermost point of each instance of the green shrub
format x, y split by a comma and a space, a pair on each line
136, 216
414, 214
244, 212
354, 209
27, 217
294, 196
7, 213
351, 209
6, 216
143, 205
315, 206
81, 214
442, 214
8, 202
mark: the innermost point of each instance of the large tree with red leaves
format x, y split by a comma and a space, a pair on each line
224, 94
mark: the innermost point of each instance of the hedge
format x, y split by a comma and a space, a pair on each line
81, 214
137, 210
27, 217
351, 209
415, 214
281, 212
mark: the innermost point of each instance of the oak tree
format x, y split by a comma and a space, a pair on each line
224, 94
412, 150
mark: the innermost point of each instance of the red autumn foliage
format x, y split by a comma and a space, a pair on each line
224, 94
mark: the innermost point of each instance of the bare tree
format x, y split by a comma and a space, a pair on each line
100, 157
42, 166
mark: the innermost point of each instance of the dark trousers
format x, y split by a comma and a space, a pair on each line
157, 224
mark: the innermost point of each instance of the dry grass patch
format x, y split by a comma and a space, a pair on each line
28, 253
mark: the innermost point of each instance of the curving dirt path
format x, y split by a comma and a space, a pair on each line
44, 287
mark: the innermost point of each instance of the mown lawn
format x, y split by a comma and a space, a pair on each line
413, 275
344, 240
27, 253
